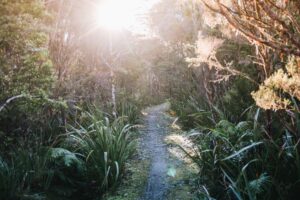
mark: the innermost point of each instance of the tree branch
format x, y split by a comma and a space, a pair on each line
8, 101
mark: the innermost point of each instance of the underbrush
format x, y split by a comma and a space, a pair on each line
242, 161
83, 160
105, 147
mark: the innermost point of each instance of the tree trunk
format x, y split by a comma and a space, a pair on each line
113, 93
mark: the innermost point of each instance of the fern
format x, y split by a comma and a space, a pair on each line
260, 184
68, 158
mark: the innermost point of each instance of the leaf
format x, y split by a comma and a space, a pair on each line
260, 184
68, 157
242, 150
256, 118
243, 126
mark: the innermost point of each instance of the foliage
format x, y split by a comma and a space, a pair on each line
91, 158
25, 65
282, 89
192, 113
105, 147
26, 70
237, 162
275, 36
25, 172
265, 23
70, 82
233, 103
129, 111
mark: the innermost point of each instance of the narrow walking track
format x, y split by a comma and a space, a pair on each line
160, 170
155, 131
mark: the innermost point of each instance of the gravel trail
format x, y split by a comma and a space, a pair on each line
156, 127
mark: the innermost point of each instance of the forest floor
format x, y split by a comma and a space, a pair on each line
160, 170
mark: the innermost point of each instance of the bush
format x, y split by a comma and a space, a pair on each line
238, 162
24, 173
105, 147
130, 111
90, 157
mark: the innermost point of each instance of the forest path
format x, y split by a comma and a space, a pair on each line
167, 178
154, 132
159, 170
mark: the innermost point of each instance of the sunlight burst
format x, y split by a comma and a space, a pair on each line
116, 15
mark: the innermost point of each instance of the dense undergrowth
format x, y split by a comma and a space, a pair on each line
60, 138
238, 155
81, 163
242, 159
70, 100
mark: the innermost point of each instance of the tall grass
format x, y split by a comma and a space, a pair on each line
25, 172
129, 111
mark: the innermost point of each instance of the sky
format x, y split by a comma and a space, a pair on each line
130, 14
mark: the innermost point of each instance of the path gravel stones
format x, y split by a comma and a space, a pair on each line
153, 144
169, 173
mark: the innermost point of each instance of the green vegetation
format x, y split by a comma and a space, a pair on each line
132, 186
73, 89
105, 146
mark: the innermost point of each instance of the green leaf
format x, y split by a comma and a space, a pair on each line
242, 150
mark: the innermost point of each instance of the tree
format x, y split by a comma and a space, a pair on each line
24, 60
271, 25
273, 28
25, 68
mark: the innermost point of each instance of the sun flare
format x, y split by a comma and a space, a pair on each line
116, 14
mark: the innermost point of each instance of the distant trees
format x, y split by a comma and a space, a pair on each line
182, 20
76, 68
82, 54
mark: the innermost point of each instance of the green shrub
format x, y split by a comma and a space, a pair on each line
238, 162
105, 146
192, 113
130, 111
25, 64
25, 172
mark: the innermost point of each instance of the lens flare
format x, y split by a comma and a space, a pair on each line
117, 14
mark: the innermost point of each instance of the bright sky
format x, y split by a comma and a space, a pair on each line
115, 15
